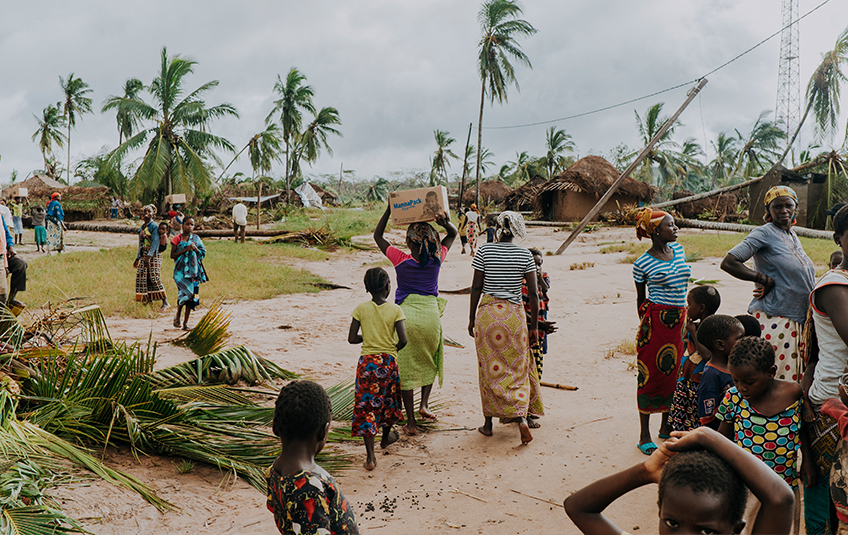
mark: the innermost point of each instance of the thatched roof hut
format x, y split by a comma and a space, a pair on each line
571, 195
491, 192
522, 199
328, 198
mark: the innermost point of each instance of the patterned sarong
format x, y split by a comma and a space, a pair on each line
504, 364
659, 348
423, 358
377, 401
471, 232
55, 236
148, 278
784, 335
824, 439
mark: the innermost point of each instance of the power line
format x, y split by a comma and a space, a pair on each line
678, 86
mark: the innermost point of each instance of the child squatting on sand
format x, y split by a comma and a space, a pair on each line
303, 496
377, 401
702, 478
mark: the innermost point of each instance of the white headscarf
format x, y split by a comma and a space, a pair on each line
513, 222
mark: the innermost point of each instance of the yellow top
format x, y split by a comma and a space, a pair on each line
378, 326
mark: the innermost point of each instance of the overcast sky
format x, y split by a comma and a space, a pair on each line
397, 70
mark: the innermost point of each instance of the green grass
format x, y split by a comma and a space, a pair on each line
344, 222
106, 277
703, 245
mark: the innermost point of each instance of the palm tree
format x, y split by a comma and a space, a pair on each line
823, 92
662, 153
295, 97
758, 146
557, 142
725, 154
264, 149
441, 161
524, 168
49, 132
127, 122
500, 26
314, 139
76, 102
179, 141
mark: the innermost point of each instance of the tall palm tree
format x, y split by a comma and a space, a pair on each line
295, 98
313, 140
823, 92
662, 152
759, 146
524, 168
557, 143
486, 161
127, 122
501, 27
48, 132
725, 154
178, 142
441, 161
75, 103
264, 149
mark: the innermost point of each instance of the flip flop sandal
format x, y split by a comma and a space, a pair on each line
647, 448
664, 437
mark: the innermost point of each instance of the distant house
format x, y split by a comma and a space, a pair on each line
571, 195
36, 182
491, 192
523, 198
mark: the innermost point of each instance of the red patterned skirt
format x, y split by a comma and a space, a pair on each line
659, 348
377, 401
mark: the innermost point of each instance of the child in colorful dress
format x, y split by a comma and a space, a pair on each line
545, 327
702, 478
701, 303
836, 409
718, 334
303, 496
187, 252
763, 415
377, 400
38, 218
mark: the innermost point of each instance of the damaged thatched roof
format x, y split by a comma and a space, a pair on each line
594, 175
522, 198
491, 191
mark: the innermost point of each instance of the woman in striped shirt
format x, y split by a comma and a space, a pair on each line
663, 272
509, 383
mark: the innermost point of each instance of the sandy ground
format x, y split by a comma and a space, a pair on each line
451, 479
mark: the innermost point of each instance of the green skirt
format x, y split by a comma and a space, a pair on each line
423, 358
40, 235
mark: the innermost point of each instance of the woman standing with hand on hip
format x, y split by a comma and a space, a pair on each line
418, 296
662, 276
784, 277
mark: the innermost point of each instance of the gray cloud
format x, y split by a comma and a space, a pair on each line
396, 71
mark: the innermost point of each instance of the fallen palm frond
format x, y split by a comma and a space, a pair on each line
450, 342
228, 366
210, 334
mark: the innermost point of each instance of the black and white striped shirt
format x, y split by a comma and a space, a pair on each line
503, 265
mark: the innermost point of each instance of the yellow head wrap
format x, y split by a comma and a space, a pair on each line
779, 191
647, 222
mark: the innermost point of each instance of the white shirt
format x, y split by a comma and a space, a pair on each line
7, 215
240, 214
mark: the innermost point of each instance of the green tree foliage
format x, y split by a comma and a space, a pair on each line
442, 156
178, 141
720, 168
557, 144
49, 132
663, 152
75, 104
127, 121
313, 140
759, 148
99, 168
499, 45
295, 98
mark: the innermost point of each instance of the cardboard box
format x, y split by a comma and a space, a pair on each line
18, 192
177, 198
418, 205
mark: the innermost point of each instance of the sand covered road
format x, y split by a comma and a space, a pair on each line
452, 479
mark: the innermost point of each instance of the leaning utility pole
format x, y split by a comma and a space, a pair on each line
603, 200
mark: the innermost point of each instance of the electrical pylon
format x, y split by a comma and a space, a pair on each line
788, 107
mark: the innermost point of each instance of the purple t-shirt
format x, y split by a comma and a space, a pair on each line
412, 278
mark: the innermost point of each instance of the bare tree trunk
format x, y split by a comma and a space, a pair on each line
341, 170
734, 227
258, 205
464, 169
288, 182
480, 139
69, 153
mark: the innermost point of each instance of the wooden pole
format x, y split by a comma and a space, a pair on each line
603, 200
341, 170
258, 205
464, 169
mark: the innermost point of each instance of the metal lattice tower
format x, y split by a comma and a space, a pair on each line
788, 107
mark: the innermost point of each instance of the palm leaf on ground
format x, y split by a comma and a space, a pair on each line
210, 334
